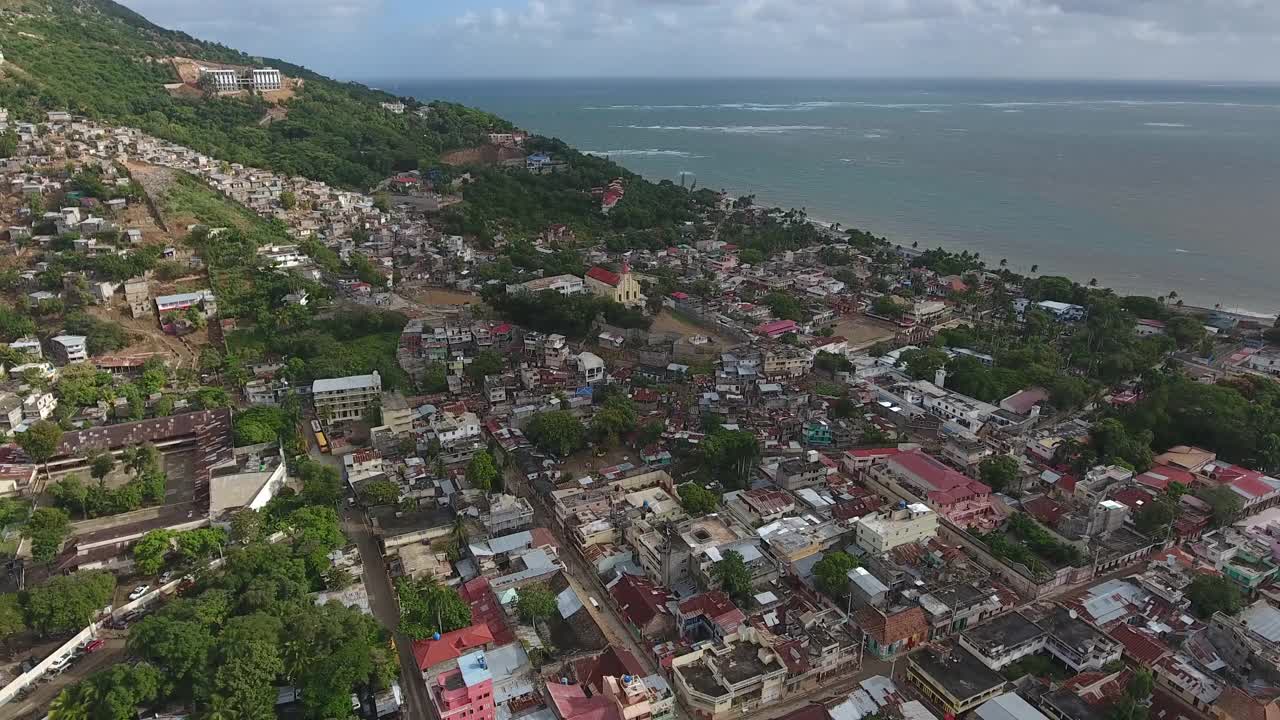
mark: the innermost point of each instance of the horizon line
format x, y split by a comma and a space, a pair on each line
865, 78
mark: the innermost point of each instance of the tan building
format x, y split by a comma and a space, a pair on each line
619, 287
881, 532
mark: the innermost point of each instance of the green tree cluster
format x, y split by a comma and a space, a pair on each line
697, 500
558, 432
728, 457
831, 573
427, 607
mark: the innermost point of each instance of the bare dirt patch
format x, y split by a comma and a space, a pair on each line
275, 114
442, 296
670, 323
861, 331
148, 338
484, 155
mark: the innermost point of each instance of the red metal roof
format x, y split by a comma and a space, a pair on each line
640, 599
1139, 646
450, 646
872, 452
604, 276
1160, 476
776, 327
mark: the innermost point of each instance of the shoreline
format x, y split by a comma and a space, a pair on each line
1239, 313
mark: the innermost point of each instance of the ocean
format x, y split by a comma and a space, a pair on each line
1148, 188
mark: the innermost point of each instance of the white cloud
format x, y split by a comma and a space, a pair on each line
1106, 38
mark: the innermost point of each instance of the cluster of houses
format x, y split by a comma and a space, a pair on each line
961, 580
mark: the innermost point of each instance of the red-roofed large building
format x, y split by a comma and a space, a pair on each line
777, 328
954, 495
433, 654
1256, 490
644, 605
620, 287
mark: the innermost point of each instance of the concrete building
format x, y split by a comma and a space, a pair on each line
591, 368
881, 532
345, 398
563, 284
507, 513
231, 79
953, 678
796, 473
28, 346
731, 678
69, 349
1003, 641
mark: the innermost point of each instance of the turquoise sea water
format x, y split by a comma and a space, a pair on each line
1146, 187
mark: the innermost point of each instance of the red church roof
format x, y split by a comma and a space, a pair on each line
604, 276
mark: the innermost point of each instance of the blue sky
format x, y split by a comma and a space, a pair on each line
370, 39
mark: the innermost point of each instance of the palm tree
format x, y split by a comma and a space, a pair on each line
460, 529
1035, 268
1093, 282
1003, 262
74, 702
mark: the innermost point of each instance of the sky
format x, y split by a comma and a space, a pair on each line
1222, 40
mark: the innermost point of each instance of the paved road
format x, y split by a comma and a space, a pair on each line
382, 602
583, 580
37, 703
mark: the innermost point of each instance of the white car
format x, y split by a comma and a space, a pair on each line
139, 592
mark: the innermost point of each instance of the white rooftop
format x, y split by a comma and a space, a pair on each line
1009, 706
351, 382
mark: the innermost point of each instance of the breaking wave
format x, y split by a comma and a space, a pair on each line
735, 129
653, 152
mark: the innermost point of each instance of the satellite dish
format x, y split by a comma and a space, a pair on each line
1072, 614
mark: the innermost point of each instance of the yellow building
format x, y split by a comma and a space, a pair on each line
620, 287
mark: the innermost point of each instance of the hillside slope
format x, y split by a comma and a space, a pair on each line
100, 59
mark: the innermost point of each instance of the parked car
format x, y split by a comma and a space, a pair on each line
94, 645
61, 664
139, 592
166, 576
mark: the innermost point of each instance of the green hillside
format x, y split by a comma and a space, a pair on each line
100, 59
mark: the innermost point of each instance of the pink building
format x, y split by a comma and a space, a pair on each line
621, 698
465, 691
952, 494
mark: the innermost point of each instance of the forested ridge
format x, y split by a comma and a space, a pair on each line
102, 60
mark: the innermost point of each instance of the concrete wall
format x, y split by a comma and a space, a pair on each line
35, 673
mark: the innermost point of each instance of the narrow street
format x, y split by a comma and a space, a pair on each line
583, 581
382, 602
36, 704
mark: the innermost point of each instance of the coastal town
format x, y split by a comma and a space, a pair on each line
761, 468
